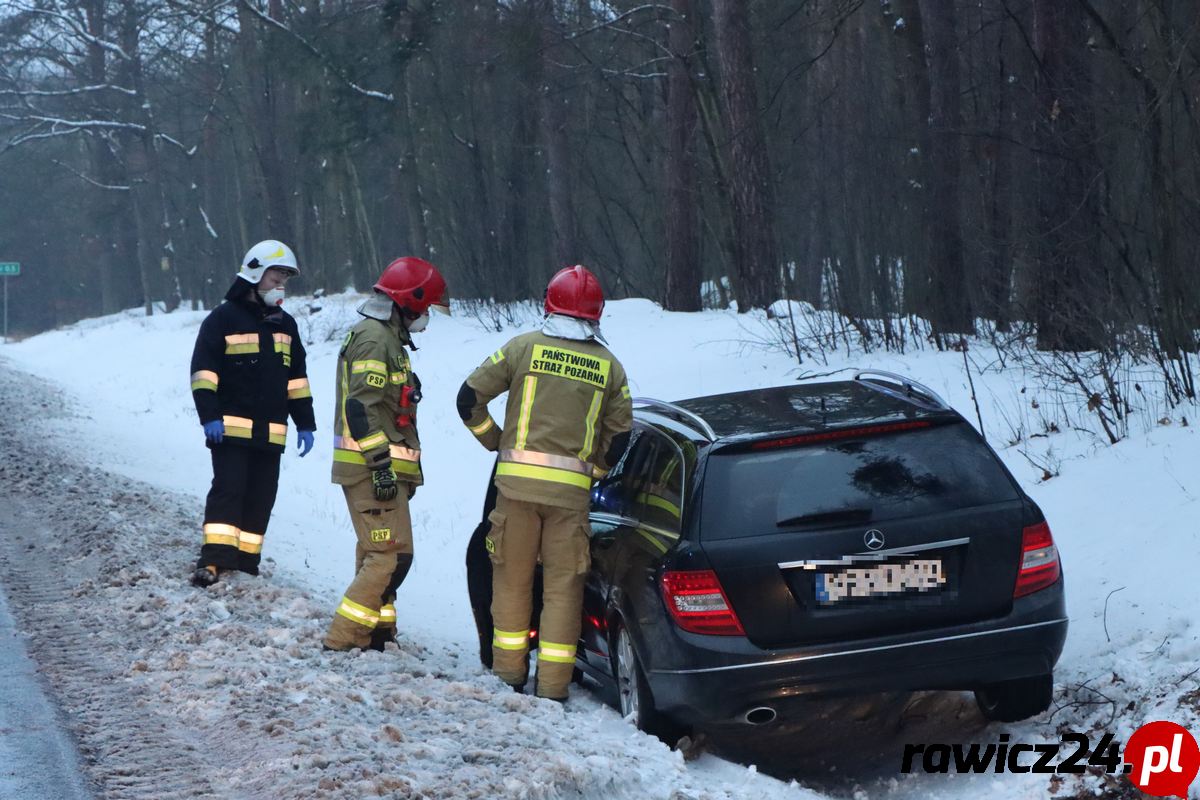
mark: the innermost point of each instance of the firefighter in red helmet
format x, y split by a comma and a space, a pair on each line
568, 419
377, 455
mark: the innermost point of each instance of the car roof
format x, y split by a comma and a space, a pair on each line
806, 407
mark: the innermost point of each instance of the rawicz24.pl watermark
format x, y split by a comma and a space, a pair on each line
1161, 758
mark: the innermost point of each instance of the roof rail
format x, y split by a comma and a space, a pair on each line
912, 391
671, 410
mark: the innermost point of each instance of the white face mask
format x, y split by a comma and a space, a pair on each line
273, 297
417, 325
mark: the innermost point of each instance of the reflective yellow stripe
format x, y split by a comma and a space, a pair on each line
660, 531
354, 612
205, 379
387, 616
527, 395
299, 388
483, 427
220, 533
650, 538
277, 432
590, 433
283, 343
398, 378
250, 542
510, 640
238, 427
545, 474
401, 466
239, 343
552, 651
368, 366
497, 356
546, 460
377, 439
659, 501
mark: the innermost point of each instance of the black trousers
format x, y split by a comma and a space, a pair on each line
239, 505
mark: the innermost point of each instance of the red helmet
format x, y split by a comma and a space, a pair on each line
576, 292
414, 284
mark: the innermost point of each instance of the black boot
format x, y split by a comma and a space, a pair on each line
205, 576
380, 637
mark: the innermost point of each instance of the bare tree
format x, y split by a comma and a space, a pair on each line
752, 201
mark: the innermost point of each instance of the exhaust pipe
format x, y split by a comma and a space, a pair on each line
762, 715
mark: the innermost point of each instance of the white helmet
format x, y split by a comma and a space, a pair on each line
263, 256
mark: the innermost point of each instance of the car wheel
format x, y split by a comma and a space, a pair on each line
635, 701
1015, 700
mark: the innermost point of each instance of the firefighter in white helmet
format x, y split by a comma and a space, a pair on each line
248, 377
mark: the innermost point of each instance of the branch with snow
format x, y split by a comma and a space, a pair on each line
321, 57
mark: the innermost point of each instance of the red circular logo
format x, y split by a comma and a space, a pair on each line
1163, 759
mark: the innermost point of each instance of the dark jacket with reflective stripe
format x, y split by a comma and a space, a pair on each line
567, 399
248, 370
372, 430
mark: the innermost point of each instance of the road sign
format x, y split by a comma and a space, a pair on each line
7, 270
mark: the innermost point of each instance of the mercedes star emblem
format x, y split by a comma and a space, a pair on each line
873, 539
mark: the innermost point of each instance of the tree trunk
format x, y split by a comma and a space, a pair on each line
756, 264
262, 117
683, 266
405, 23
553, 103
950, 308
1067, 289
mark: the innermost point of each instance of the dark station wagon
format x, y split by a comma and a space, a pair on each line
754, 549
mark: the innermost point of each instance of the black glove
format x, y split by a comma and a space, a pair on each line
385, 484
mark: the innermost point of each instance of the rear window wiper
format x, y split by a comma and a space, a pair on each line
840, 515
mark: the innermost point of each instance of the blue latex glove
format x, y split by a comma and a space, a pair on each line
304, 440
214, 431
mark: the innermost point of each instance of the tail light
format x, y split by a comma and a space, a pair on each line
1039, 561
698, 604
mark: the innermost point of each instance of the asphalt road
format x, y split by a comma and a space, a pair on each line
38, 759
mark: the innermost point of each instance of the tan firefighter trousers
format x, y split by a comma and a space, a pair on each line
520, 532
382, 558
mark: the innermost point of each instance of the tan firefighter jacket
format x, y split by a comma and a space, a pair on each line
567, 399
373, 371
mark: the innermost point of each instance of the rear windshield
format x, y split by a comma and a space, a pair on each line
850, 481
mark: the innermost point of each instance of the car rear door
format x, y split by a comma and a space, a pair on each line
862, 535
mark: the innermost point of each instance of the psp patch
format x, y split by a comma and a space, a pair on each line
376, 380
489, 544
381, 535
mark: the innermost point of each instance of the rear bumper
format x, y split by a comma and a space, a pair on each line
718, 685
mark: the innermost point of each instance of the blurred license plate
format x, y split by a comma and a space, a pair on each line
921, 575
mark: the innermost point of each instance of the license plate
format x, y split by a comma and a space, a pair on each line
920, 575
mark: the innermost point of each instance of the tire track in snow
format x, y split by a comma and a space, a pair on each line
131, 751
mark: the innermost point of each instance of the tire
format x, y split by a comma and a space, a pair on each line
635, 702
1015, 700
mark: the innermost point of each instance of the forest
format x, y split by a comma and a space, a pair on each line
927, 169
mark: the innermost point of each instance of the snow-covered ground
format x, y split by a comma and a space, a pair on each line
426, 720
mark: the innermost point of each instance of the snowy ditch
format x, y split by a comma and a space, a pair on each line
179, 693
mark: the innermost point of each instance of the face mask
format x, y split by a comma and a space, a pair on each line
417, 325
273, 297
